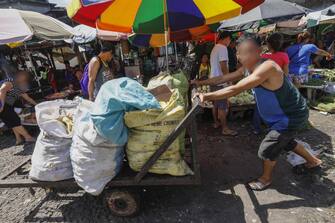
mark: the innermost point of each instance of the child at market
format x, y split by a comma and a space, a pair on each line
205, 68
280, 105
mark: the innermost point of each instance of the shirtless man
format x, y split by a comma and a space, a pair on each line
280, 105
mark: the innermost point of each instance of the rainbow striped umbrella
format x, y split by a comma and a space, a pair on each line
158, 40
155, 16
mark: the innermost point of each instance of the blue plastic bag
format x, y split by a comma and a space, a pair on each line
115, 98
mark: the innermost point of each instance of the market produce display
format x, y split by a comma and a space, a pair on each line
244, 98
203, 89
315, 82
328, 74
325, 103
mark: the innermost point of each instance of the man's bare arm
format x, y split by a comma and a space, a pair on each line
224, 67
93, 69
234, 76
261, 74
4, 88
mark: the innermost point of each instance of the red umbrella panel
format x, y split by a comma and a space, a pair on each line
87, 11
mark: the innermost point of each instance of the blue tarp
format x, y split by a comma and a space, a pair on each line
114, 99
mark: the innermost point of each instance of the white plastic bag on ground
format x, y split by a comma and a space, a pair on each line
95, 160
295, 160
51, 156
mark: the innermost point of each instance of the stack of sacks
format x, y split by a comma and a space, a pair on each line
100, 134
175, 81
115, 98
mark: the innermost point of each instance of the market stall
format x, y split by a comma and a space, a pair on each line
151, 121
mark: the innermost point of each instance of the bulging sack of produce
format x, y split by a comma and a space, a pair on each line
175, 81
114, 99
95, 160
149, 129
163, 78
51, 156
54, 117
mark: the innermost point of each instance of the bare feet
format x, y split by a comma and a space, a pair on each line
30, 140
316, 163
19, 142
216, 125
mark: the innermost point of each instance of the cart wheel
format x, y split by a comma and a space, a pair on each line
122, 203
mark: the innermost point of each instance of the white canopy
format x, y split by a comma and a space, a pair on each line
86, 34
269, 9
12, 27
19, 26
324, 16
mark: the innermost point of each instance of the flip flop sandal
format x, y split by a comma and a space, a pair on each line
30, 142
19, 143
232, 133
216, 126
314, 170
257, 185
299, 170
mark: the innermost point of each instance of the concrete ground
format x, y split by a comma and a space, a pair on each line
226, 164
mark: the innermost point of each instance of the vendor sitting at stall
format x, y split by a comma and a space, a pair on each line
10, 92
280, 105
99, 71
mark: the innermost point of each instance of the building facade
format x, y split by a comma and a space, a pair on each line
314, 4
41, 6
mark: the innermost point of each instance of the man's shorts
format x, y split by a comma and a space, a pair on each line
220, 104
276, 143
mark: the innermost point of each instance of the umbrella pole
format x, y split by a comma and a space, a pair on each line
176, 53
166, 33
166, 51
121, 52
37, 78
61, 51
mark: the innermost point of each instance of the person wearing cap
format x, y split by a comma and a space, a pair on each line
99, 71
219, 61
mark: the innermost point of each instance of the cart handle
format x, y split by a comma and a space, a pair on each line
188, 119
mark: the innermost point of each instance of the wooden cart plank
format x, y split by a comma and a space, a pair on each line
5, 175
124, 182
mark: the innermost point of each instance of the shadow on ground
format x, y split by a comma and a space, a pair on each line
226, 164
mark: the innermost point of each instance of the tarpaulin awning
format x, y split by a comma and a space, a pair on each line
325, 16
86, 34
268, 10
19, 26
